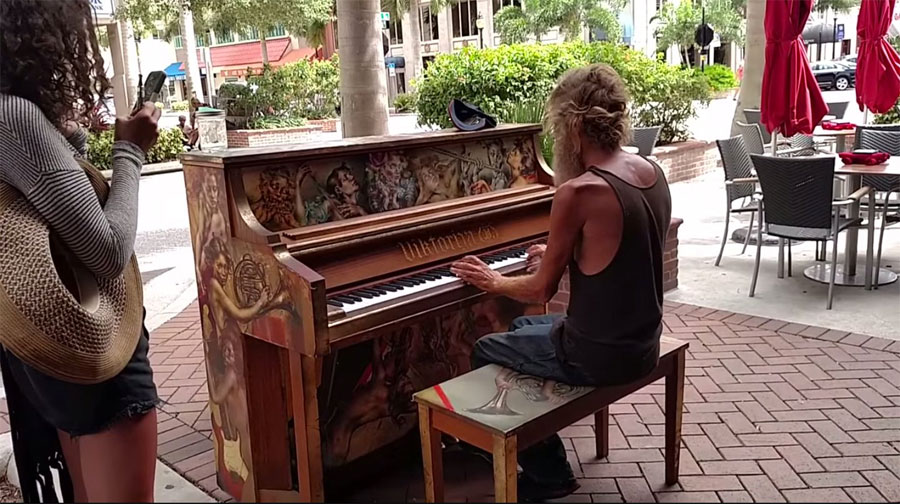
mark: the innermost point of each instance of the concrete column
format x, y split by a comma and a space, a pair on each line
486, 9
445, 30
119, 86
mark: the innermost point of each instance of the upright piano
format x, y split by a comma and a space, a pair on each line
325, 292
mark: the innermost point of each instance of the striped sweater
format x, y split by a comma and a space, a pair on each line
37, 160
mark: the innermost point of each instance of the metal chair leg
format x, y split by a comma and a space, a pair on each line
781, 258
725, 234
758, 253
790, 256
877, 270
749, 231
834, 252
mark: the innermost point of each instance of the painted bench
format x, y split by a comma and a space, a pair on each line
503, 412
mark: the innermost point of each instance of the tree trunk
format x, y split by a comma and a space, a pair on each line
132, 62
191, 66
412, 43
750, 94
364, 108
263, 46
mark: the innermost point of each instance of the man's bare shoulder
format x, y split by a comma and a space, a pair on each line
586, 184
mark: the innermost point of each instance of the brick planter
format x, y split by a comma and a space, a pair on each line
278, 136
560, 301
328, 125
687, 160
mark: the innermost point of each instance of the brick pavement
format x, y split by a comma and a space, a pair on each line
774, 412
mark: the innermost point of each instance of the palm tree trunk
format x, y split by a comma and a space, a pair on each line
750, 94
412, 40
191, 66
263, 46
364, 108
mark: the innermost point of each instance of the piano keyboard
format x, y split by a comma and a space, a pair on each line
360, 299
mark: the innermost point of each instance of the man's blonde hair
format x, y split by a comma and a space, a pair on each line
593, 100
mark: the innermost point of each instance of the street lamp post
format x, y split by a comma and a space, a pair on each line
479, 23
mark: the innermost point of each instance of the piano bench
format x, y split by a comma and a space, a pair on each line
502, 411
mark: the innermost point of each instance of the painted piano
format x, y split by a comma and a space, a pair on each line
325, 295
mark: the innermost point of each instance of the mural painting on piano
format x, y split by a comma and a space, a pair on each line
370, 404
289, 197
237, 285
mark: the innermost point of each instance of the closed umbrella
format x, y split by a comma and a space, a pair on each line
877, 64
791, 100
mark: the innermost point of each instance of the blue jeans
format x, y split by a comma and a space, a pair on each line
528, 348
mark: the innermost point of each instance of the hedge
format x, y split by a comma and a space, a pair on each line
167, 148
499, 79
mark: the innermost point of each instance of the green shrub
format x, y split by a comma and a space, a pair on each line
528, 113
167, 148
405, 102
500, 79
719, 77
890, 117
270, 122
180, 106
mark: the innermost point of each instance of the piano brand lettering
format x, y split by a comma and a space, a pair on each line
421, 248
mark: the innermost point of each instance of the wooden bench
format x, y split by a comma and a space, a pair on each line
502, 412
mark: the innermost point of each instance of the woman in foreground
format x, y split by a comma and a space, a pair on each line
50, 69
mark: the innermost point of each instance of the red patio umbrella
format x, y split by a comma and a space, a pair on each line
877, 65
791, 100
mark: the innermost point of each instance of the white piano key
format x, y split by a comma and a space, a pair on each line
350, 308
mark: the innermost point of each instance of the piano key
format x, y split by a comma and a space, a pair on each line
334, 302
362, 294
344, 299
420, 282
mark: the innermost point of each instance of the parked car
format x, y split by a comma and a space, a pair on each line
833, 75
850, 61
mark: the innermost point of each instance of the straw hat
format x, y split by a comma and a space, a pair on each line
55, 315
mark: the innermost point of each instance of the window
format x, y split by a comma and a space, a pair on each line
248, 35
224, 36
396, 29
177, 42
278, 31
499, 4
659, 4
429, 24
464, 13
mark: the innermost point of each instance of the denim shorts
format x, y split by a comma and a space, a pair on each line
88, 409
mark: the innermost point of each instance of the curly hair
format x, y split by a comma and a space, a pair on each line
50, 56
592, 99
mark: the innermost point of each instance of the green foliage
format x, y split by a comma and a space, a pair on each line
719, 77
678, 22
890, 117
299, 17
537, 17
498, 80
180, 106
167, 148
405, 102
296, 91
270, 122
823, 6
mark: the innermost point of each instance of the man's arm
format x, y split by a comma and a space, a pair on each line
566, 221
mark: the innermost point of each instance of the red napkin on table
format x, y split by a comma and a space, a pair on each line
831, 125
866, 159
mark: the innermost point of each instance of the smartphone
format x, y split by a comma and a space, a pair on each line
149, 90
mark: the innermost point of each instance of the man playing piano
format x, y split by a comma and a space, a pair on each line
608, 225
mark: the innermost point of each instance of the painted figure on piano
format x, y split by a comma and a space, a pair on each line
608, 225
289, 197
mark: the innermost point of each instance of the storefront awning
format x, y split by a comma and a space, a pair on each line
174, 71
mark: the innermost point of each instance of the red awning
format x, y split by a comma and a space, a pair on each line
878, 65
248, 53
791, 100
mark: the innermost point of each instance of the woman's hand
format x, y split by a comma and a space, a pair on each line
535, 254
141, 128
473, 270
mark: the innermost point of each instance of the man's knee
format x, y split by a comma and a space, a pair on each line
484, 350
520, 322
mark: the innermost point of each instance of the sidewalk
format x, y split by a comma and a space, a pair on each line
774, 412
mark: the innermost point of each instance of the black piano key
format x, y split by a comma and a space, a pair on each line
347, 299
334, 302
405, 283
379, 289
363, 294
370, 290
428, 276
389, 287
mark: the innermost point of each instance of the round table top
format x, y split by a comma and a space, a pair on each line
820, 131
